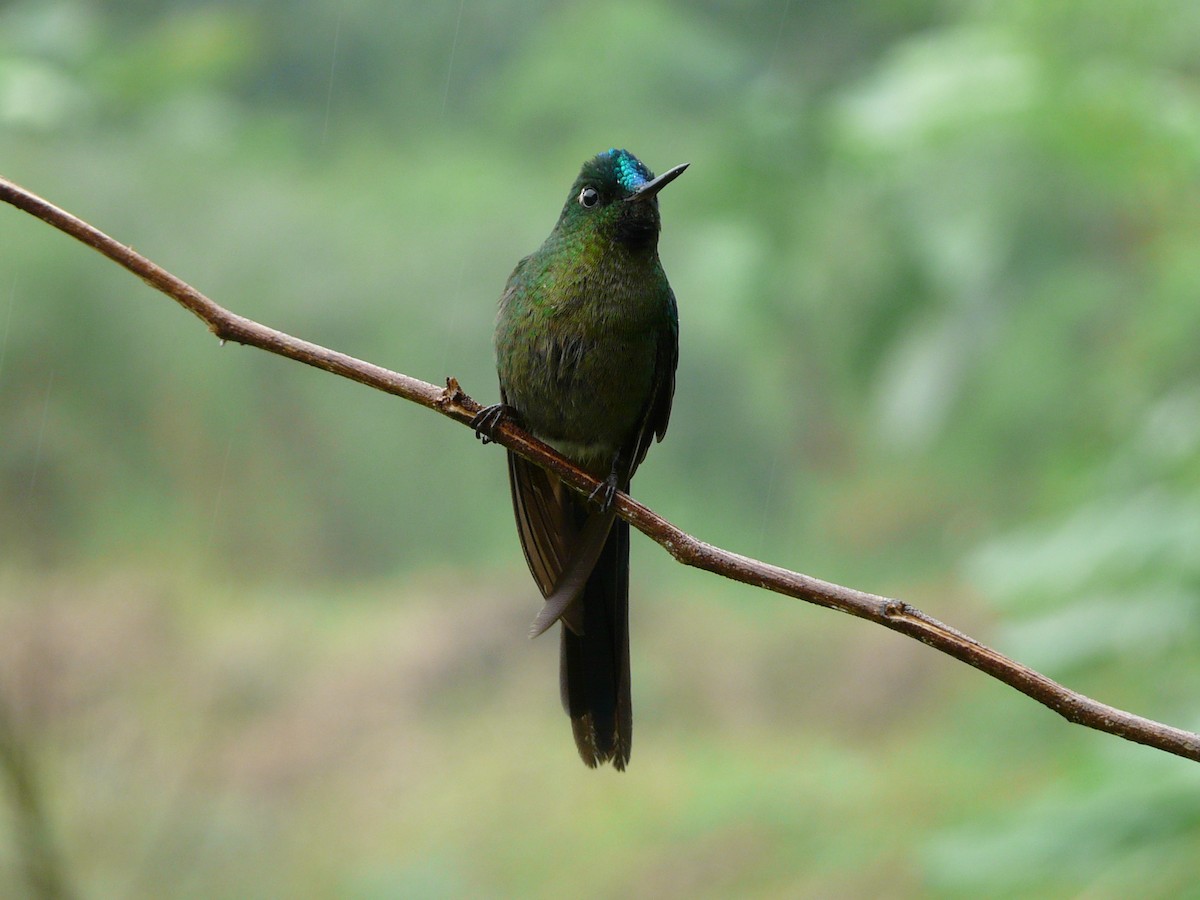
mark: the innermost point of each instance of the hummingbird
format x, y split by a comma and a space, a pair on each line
587, 341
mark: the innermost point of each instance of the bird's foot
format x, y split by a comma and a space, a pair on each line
488, 418
607, 489
604, 492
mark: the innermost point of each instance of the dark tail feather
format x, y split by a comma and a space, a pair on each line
595, 665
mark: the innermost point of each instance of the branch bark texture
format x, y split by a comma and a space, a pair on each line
452, 402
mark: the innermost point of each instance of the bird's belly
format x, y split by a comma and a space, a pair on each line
590, 405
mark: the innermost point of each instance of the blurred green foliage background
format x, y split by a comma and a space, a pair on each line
262, 631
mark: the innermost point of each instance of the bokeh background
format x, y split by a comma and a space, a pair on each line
262, 631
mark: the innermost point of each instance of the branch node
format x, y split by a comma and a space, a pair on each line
220, 329
454, 398
453, 389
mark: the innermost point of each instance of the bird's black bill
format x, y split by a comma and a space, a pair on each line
650, 188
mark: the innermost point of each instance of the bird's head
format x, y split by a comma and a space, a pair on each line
615, 198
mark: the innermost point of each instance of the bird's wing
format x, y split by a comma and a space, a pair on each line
546, 535
658, 408
561, 541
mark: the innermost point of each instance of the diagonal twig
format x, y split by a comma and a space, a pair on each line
452, 402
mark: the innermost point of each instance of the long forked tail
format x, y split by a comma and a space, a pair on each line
557, 528
594, 670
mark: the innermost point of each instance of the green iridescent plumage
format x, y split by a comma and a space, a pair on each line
587, 340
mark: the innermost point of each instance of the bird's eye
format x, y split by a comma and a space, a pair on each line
588, 197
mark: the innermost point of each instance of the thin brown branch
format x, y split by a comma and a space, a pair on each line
452, 402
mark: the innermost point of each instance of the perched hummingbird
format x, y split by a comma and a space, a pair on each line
587, 339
